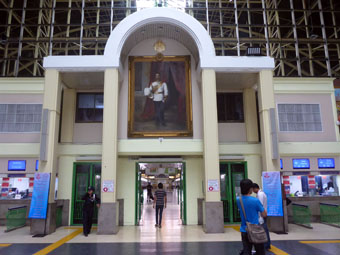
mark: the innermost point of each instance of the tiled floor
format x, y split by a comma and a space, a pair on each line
172, 238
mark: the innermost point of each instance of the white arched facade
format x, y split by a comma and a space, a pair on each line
118, 37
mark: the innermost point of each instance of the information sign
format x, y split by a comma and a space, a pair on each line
40, 194
272, 188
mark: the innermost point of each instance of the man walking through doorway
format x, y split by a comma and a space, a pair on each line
252, 207
263, 221
90, 200
160, 202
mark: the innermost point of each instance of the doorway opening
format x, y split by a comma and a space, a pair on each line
172, 176
231, 174
85, 174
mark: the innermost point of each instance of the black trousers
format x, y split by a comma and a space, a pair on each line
159, 212
87, 220
247, 246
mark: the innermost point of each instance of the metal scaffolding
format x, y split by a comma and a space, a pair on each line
302, 35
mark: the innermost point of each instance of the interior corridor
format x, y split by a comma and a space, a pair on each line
171, 214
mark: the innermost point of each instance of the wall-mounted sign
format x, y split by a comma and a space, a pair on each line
108, 186
213, 185
301, 163
281, 164
326, 163
36, 165
16, 165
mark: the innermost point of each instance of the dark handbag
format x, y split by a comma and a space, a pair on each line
256, 233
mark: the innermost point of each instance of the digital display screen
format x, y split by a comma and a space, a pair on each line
326, 163
16, 165
37, 165
281, 164
301, 163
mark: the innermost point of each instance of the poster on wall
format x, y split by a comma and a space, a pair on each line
213, 185
40, 194
108, 186
337, 99
272, 187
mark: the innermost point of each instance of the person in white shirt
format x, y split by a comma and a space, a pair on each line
158, 91
263, 221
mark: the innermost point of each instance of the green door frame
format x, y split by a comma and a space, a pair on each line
90, 181
137, 197
230, 186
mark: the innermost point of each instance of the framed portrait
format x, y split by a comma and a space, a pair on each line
160, 97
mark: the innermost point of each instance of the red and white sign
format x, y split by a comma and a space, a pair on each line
213, 185
311, 181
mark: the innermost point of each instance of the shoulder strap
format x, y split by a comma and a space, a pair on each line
244, 213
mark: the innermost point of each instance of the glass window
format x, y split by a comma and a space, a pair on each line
20, 118
16, 187
299, 117
230, 107
312, 185
90, 107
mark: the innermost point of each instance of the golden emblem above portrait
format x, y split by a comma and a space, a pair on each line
160, 97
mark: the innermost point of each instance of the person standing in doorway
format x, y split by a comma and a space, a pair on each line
90, 200
252, 207
263, 221
160, 203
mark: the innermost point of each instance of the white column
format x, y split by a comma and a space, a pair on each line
52, 98
213, 208
267, 102
108, 214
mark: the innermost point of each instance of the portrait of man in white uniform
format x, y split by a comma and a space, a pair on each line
160, 97
158, 92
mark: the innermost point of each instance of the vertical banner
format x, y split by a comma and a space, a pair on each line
38, 209
272, 188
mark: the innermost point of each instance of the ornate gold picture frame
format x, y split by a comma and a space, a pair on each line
160, 103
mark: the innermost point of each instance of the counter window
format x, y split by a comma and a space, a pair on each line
16, 187
310, 185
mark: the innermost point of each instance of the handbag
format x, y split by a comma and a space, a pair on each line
256, 233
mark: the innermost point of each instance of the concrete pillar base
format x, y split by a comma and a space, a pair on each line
45, 226
108, 219
213, 217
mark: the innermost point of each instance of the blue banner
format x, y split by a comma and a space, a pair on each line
272, 187
41, 187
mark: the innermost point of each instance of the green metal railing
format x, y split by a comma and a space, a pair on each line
59, 217
16, 218
302, 215
330, 214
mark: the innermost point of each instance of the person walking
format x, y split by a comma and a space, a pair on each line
252, 207
263, 221
90, 200
149, 192
160, 203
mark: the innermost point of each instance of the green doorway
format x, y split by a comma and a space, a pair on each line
177, 180
231, 174
85, 174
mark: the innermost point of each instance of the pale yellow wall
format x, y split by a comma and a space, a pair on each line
254, 166
87, 132
65, 180
65, 177
232, 132
194, 186
126, 183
